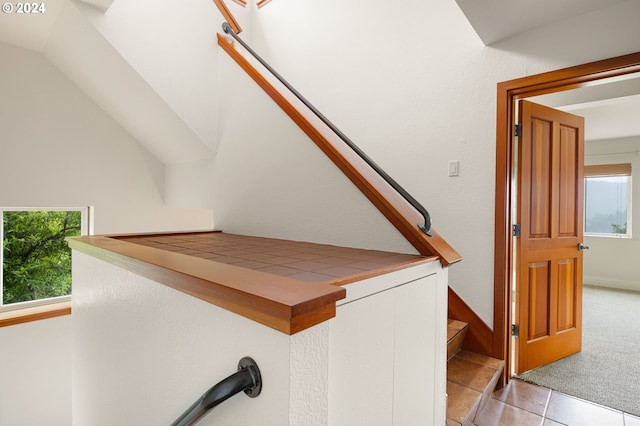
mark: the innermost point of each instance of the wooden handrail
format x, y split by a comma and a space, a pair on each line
389, 202
226, 13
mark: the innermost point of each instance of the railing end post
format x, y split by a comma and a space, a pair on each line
248, 364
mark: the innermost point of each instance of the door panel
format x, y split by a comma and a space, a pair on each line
549, 211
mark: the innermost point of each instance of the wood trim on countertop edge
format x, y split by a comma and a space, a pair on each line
284, 304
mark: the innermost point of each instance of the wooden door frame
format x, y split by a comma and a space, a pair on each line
508, 92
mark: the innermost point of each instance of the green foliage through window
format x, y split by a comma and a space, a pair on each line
617, 229
36, 257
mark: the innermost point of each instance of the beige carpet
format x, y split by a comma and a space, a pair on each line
607, 371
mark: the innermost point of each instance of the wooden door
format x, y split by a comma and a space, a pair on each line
548, 250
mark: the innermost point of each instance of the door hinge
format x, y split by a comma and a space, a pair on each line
515, 330
516, 230
518, 129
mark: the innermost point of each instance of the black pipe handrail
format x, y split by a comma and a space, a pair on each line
247, 379
426, 227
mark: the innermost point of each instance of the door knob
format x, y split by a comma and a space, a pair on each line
582, 247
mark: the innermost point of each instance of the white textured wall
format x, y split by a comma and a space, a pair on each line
35, 366
60, 149
613, 262
271, 180
144, 353
57, 148
410, 83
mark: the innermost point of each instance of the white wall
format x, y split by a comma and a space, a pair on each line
412, 84
57, 148
35, 366
610, 261
60, 149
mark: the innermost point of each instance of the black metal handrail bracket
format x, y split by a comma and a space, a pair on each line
246, 379
426, 226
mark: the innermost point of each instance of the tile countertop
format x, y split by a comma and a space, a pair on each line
264, 279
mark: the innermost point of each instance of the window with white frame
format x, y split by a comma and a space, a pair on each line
35, 257
607, 200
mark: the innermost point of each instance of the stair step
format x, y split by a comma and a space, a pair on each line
471, 379
456, 331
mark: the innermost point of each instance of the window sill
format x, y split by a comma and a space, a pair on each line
613, 236
36, 313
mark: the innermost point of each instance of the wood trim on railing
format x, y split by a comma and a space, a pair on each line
391, 204
226, 13
36, 313
479, 337
261, 3
282, 303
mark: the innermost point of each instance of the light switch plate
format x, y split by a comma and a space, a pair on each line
454, 168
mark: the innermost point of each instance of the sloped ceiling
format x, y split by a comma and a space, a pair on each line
158, 125
67, 39
496, 20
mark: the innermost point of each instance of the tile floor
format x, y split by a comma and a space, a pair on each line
524, 404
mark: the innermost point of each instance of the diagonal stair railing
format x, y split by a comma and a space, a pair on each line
392, 200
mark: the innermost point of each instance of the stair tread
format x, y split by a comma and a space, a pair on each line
456, 332
471, 378
462, 403
456, 324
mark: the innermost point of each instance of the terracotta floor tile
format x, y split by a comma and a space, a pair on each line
480, 359
497, 413
461, 402
524, 395
573, 411
469, 374
549, 422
